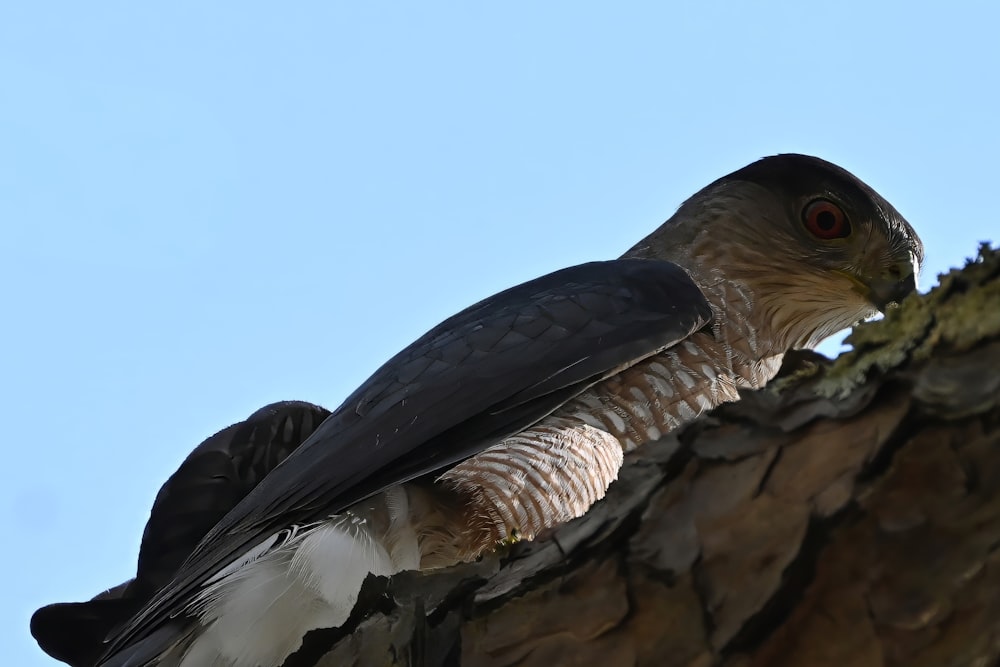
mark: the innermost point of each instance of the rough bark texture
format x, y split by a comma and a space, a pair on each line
846, 516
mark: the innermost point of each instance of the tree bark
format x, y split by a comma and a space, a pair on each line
846, 516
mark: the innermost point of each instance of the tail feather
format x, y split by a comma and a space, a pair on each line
74, 632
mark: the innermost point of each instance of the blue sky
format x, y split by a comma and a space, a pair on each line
208, 208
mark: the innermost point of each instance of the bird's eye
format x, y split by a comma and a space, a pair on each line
826, 220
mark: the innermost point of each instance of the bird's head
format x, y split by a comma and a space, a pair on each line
816, 247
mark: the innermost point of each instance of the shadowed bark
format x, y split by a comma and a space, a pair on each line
846, 516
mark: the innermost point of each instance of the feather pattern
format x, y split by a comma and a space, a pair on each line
258, 609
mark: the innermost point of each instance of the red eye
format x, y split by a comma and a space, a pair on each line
826, 220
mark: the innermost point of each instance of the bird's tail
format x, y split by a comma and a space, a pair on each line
74, 632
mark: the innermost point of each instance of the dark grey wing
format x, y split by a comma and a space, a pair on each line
209, 483
487, 372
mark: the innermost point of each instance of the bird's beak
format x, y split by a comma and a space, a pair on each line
890, 290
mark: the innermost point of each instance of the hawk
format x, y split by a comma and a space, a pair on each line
514, 415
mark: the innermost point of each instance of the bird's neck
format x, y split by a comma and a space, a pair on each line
762, 320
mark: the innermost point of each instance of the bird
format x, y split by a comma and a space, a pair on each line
210, 481
515, 415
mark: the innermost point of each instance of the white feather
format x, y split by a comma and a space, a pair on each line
257, 609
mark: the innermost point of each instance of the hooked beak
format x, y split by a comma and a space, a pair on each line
888, 292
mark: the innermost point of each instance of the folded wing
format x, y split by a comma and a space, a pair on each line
484, 374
